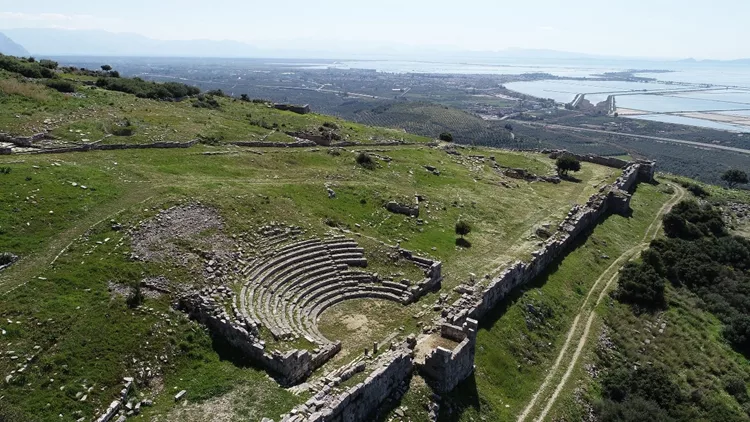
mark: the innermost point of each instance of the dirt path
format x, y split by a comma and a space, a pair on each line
22, 272
587, 312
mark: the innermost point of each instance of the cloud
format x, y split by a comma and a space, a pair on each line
44, 17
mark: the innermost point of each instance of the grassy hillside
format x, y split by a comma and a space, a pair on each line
90, 114
69, 336
429, 119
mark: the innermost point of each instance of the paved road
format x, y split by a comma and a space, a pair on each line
632, 135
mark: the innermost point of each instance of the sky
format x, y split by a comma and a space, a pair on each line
715, 29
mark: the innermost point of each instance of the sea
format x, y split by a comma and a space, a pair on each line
710, 94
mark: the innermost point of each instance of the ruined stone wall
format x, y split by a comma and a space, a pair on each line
358, 403
444, 369
580, 219
94, 147
293, 366
596, 159
433, 275
259, 144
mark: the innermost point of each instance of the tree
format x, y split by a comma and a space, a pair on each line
106, 67
446, 136
566, 163
244, 97
364, 160
734, 177
509, 127
462, 228
135, 298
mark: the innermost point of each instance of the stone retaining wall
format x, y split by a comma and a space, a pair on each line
259, 144
293, 366
107, 147
596, 159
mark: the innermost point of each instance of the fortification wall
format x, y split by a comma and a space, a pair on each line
107, 147
580, 218
596, 159
358, 403
444, 369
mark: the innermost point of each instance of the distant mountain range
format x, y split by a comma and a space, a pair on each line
64, 42
57, 42
11, 48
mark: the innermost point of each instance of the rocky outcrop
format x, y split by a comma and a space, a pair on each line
397, 208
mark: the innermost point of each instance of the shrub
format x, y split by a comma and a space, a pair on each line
446, 136
734, 177
61, 85
689, 220
147, 89
462, 228
135, 298
206, 101
244, 97
29, 69
49, 64
641, 285
364, 160
106, 67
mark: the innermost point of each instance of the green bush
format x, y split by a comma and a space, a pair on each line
462, 228
61, 85
446, 136
147, 89
364, 160
29, 69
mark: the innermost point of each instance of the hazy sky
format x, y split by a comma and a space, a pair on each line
645, 28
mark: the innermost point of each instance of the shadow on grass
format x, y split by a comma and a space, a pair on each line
236, 357
494, 315
464, 396
569, 178
383, 412
462, 242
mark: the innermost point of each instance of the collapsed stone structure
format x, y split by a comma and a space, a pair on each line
299, 109
443, 368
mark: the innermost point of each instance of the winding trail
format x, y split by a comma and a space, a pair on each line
26, 268
587, 313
